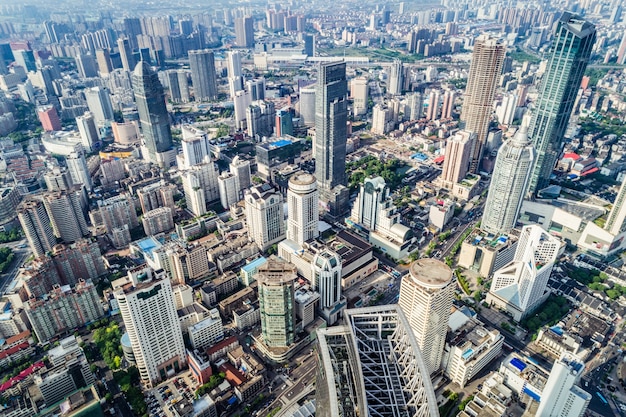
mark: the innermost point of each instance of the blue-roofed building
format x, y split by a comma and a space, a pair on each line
523, 376
556, 341
248, 271
272, 155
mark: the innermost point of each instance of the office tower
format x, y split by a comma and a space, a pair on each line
485, 70
434, 98
331, 115
284, 122
234, 64
244, 31
103, 59
511, 175
567, 61
195, 144
241, 101
132, 28
200, 185
448, 104
395, 78
277, 302
153, 116
560, 396
88, 131
506, 110
416, 106
256, 88
25, 59
99, 103
49, 118
307, 105
621, 52
457, 158
326, 268
178, 86
65, 210
157, 221
234, 84
303, 210
309, 44
86, 66
63, 310
147, 308
229, 189
240, 168
126, 54
359, 92
36, 226
518, 287
77, 167
374, 344
615, 223
202, 65
58, 179
117, 212
426, 295
264, 215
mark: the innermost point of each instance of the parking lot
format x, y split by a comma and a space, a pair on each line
162, 399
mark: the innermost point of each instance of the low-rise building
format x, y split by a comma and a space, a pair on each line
207, 332
555, 341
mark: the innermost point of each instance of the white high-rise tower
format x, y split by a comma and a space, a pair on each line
560, 397
303, 209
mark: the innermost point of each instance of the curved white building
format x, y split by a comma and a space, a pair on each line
303, 208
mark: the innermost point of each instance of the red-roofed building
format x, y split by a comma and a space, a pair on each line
222, 348
49, 119
25, 375
439, 160
233, 376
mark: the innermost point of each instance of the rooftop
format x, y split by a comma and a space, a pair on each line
431, 273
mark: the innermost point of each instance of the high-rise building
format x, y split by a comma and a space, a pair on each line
118, 211
66, 212
99, 103
416, 106
615, 224
229, 189
150, 99
510, 179
307, 105
200, 186
520, 285
560, 396
434, 97
426, 295
359, 92
457, 158
303, 210
88, 131
36, 226
241, 102
195, 144
485, 70
331, 116
380, 346
567, 61
104, 61
126, 54
158, 194
264, 215
395, 78
326, 269
49, 119
86, 66
157, 220
621, 52
448, 104
203, 78
80, 260
277, 302
284, 122
78, 169
244, 31
240, 168
58, 179
234, 64
147, 307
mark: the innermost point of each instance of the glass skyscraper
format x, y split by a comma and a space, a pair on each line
571, 49
150, 100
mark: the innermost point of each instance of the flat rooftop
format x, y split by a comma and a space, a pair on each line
431, 273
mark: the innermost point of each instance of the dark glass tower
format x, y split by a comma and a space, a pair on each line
150, 99
567, 61
202, 65
331, 115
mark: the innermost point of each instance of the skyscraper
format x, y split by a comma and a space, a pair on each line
615, 223
359, 92
36, 225
195, 144
86, 66
621, 52
99, 103
240, 168
103, 59
126, 54
234, 64
147, 307
277, 302
560, 396
326, 268
88, 131
284, 122
79, 171
374, 344
395, 77
65, 210
202, 65
456, 163
264, 214
229, 189
150, 99
331, 115
567, 61
518, 287
508, 185
303, 210
426, 295
244, 31
482, 81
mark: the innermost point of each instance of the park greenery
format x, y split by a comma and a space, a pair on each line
10, 236
108, 341
371, 166
597, 281
214, 381
129, 383
6, 257
548, 313
521, 56
462, 281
